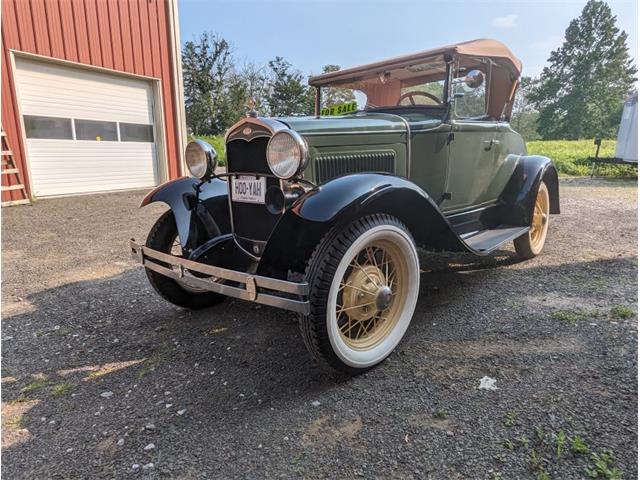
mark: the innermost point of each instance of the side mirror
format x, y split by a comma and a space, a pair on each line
474, 79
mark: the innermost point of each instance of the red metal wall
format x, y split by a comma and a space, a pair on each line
127, 35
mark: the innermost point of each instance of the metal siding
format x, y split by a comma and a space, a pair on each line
54, 27
146, 38
105, 34
116, 35
39, 15
130, 36
68, 31
82, 35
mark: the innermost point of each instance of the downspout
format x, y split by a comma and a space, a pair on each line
178, 91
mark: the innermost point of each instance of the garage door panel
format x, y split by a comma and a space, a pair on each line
67, 166
81, 94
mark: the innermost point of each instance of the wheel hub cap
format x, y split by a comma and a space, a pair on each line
361, 293
383, 297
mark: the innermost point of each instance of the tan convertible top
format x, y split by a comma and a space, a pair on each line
408, 69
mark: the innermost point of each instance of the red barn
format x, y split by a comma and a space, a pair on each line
91, 96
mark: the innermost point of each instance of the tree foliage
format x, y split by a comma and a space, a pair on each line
216, 90
524, 116
288, 95
580, 93
333, 95
211, 87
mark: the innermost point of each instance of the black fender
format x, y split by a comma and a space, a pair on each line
192, 221
344, 199
516, 203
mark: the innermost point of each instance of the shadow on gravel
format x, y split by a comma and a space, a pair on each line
109, 356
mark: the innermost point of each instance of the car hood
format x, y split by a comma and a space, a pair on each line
361, 122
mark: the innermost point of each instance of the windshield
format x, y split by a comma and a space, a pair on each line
392, 91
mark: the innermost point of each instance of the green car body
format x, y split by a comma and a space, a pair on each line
470, 160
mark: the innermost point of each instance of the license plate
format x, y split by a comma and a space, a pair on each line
248, 189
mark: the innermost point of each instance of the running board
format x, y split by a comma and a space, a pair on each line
487, 241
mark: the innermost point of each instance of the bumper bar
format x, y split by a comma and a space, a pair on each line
254, 288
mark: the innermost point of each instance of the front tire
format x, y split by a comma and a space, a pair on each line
163, 237
364, 280
531, 243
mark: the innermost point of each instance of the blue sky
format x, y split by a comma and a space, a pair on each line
313, 33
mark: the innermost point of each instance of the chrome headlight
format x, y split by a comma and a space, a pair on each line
287, 154
201, 159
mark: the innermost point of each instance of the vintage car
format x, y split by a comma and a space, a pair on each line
323, 215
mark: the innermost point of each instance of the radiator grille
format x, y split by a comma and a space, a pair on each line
332, 166
251, 221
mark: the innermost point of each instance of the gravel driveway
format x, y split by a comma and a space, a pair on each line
102, 378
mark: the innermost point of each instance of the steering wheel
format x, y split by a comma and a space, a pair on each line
418, 93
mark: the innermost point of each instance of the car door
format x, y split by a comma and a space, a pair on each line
472, 164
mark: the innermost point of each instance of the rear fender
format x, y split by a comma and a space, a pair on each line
515, 205
180, 196
339, 202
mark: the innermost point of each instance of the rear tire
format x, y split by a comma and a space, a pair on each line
162, 237
364, 280
531, 243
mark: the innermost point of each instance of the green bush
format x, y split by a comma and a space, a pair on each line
217, 142
570, 157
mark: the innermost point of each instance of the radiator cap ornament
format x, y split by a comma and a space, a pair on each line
251, 108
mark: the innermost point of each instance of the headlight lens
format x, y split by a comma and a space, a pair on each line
201, 158
287, 154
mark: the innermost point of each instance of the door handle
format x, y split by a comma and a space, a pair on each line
490, 143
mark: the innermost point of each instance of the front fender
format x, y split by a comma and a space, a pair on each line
344, 199
180, 196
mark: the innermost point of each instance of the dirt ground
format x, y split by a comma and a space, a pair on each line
102, 378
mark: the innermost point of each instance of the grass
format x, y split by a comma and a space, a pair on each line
510, 419
603, 467
440, 413
570, 157
217, 142
157, 358
621, 312
544, 450
578, 447
61, 389
570, 316
560, 440
35, 385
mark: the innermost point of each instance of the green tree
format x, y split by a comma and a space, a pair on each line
288, 95
213, 91
580, 92
524, 116
335, 95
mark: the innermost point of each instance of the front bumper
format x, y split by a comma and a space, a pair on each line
254, 288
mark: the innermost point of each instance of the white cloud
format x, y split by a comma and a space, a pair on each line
508, 21
548, 44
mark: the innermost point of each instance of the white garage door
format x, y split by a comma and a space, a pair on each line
86, 131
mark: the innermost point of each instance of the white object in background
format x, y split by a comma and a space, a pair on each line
627, 143
487, 383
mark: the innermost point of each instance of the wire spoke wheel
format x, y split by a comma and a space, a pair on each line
531, 243
364, 280
371, 293
540, 218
